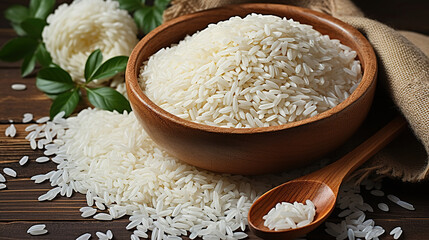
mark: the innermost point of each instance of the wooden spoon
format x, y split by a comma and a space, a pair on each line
321, 186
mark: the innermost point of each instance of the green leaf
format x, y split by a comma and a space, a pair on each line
54, 80
42, 56
66, 102
51, 96
33, 27
28, 65
131, 5
108, 99
148, 18
18, 29
93, 62
41, 8
110, 68
17, 49
54, 65
161, 3
16, 13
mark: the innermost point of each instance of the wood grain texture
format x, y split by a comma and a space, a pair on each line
19, 208
15, 103
252, 150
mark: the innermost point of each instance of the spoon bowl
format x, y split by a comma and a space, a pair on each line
318, 192
321, 187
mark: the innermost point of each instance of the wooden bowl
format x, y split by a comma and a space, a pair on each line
252, 150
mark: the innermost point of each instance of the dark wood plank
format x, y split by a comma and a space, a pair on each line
15, 103
64, 230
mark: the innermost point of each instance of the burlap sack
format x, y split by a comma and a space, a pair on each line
403, 69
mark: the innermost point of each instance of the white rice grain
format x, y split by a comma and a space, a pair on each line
18, 86
406, 205
10, 131
31, 127
38, 229
39, 178
42, 119
109, 234
100, 206
383, 207
398, 234
377, 193
134, 237
400, 203
393, 198
84, 236
27, 118
350, 234
103, 217
101, 236
84, 209
23, 160
33, 144
38, 232
9, 171
42, 159
89, 213
395, 230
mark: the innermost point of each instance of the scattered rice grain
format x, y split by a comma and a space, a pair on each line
18, 86
10, 131
9, 171
42, 119
383, 207
406, 205
23, 160
84, 236
103, 217
377, 193
42, 159
38, 229
398, 234
27, 118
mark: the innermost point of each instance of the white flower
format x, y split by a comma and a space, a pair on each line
75, 30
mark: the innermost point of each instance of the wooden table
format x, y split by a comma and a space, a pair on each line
19, 208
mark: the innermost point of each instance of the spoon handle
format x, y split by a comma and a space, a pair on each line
334, 173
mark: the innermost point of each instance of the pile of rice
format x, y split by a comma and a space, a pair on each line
75, 30
256, 71
109, 158
287, 215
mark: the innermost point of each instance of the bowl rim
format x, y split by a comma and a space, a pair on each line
368, 77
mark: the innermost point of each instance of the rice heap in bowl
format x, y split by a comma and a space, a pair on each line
257, 71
